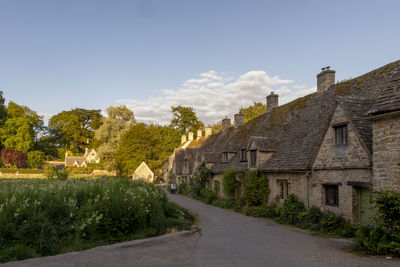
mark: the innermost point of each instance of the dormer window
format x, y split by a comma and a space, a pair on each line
253, 157
341, 134
224, 157
243, 155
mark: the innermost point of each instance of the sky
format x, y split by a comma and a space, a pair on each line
215, 56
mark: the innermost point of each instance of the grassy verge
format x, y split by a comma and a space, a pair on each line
40, 217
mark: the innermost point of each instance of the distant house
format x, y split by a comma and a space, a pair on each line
143, 172
90, 156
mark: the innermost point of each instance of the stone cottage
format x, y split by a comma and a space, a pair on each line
90, 156
143, 172
328, 148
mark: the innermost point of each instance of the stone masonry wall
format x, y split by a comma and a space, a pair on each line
386, 155
332, 156
347, 194
297, 185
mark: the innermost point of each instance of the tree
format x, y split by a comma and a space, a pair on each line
184, 120
109, 133
253, 111
35, 159
21, 127
150, 143
75, 128
11, 157
3, 109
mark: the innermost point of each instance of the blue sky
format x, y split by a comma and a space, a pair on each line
213, 55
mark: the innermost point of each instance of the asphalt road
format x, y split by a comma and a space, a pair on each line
226, 239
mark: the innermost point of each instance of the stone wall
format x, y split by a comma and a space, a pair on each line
386, 153
297, 183
351, 155
347, 194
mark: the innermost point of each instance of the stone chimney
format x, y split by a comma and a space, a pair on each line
238, 120
208, 131
272, 101
325, 79
190, 136
183, 138
199, 134
226, 123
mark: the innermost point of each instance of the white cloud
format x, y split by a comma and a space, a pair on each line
214, 96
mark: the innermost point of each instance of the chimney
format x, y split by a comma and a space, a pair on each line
238, 120
208, 131
272, 101
226, 123
183, 138
190, 136
325, 79
199, 134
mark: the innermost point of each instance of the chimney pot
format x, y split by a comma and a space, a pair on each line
325, 79
190, 136
226, 123
183, 138
272, 101
239, 120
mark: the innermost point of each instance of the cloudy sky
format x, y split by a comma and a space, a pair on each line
213, 55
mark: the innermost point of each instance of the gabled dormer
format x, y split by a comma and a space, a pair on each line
259, 151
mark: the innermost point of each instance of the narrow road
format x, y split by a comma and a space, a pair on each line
226, 239
232, 239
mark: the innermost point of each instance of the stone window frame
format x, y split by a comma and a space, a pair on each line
253, 157
243, 155
331, 194
341, 134
283, 188
225, 157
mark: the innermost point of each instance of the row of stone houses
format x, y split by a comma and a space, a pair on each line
330, 148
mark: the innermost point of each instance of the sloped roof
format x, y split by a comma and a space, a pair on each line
295, 130
69, 161
389, 99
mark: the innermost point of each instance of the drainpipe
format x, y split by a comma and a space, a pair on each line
308, 176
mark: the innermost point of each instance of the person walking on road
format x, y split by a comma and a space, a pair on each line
173, 188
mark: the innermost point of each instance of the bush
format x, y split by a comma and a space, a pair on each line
291, 209
35, 159
260, 211
224, 203
208, 196
12, 157
229, 182
53, 172
255, 189
46, 217
383, 235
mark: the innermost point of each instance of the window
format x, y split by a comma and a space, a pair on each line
332, 195
341, 135
224, 157
186, 164
284, 189
243, 155
253, 157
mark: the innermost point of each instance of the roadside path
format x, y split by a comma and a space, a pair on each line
226, 239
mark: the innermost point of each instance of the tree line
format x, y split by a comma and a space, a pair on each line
121, 142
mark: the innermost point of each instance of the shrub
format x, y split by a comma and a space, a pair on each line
35, 159
53, 172
260, 211
291, 209
229, 182
183, 188
208, 196
383, 235
12, 157
255, 189
46, 217
224, 203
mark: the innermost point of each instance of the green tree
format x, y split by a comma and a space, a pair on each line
3, 109
21, 127
35, 158
73, 129
184, 120
150, 143
109, 133
253, 111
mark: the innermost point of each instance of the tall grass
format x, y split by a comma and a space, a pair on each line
45, 217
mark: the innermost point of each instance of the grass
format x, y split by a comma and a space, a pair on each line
40, 217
